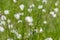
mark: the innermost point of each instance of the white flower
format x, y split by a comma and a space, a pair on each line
54, 15
14, 1
49, 38
52, 12
19, 21
18, 36
43, 10
45, 22
1, 29
3, 17
40, 6
22, 6
6, 12
29, 19
9, 39
17, 16
41, 30
56, 9
56, 4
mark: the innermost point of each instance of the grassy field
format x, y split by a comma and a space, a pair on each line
45, 25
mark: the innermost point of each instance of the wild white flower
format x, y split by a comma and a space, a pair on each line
6, 11
56, 9
49, 38
3, 17
22, 6
54, 15
41, 30
9, 39
40, 6
19, 36
56, 3
17, 16
19, 21
29, 19
52, 12
43, 10
45, 22
14, 1
1, 29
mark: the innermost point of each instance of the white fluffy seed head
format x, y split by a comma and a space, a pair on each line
22, 6
9, 39
19, 36
43, 10
17, 16
41, 30
45, 22
29, 19
6, 12
54, 15
1, 29
40, 6
14, 1
52, 12
49, 38
19, 21
3, 17
56, 9
56, 4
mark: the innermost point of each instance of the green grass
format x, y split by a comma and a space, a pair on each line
51, 29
